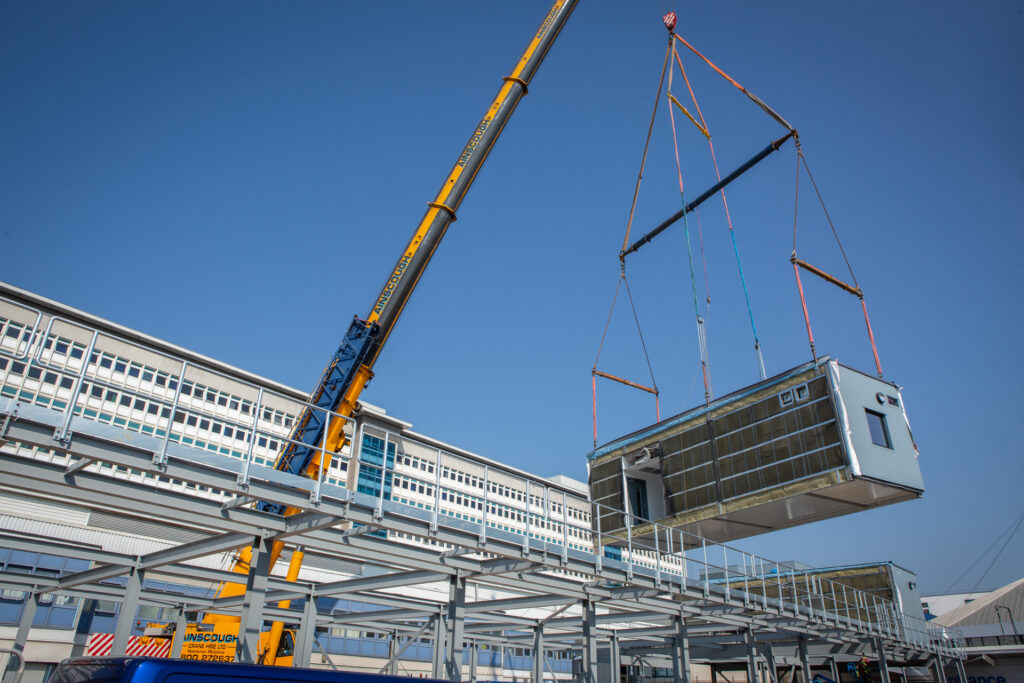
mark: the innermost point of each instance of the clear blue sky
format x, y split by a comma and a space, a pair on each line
239, 177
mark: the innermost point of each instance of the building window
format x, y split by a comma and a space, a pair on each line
879, 429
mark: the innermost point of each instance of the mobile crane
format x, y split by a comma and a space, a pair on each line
351, 368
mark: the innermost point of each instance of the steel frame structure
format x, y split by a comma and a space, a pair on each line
659, 601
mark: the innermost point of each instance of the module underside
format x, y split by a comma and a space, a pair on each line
803, 446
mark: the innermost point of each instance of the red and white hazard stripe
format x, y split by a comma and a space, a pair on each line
100, 645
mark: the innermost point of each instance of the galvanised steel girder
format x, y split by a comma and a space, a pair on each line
77, 551
173, 555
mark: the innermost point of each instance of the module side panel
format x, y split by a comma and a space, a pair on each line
879, 433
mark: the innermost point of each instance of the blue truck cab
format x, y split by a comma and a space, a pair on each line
160, 670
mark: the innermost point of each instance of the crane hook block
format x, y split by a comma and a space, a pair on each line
670, 21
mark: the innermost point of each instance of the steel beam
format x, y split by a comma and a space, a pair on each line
173, 555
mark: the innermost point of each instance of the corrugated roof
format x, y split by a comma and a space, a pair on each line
983, 609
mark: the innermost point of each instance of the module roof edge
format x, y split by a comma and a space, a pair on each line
679, 418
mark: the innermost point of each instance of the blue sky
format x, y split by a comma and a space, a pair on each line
238, 178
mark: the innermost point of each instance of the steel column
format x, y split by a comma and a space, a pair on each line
474, 651
437, 654
883, 665
680, 653
805, 664
180, 624
748, 640
126, 618
455, 624
615, 659
834, 669
392, 665
307, 631
770, 666
960, 670
28, 615
253, 601
589, 674
940, 672
538, 653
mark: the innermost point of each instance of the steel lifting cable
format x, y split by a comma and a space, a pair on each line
798, 263
732, 233
705, 365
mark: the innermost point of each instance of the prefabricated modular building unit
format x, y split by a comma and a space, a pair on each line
818, 441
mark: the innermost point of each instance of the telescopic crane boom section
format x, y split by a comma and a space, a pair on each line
351, 367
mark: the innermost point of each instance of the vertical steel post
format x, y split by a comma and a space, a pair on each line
307, 631
526, 536
62, 432
321, 471
437, 492
160, 459
474, 656
770, 667
940, 671
615, 658
487, 503
437, 653
455, 622
243, 478
126, 618
657, 558
805, 664
883, 665
961, 672
680, 652
392, 665
180, 624
251, 621
833, 669
378, 514
589, 641
28, 615
707, 571
538, 653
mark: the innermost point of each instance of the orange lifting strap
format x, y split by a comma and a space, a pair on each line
799, 263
